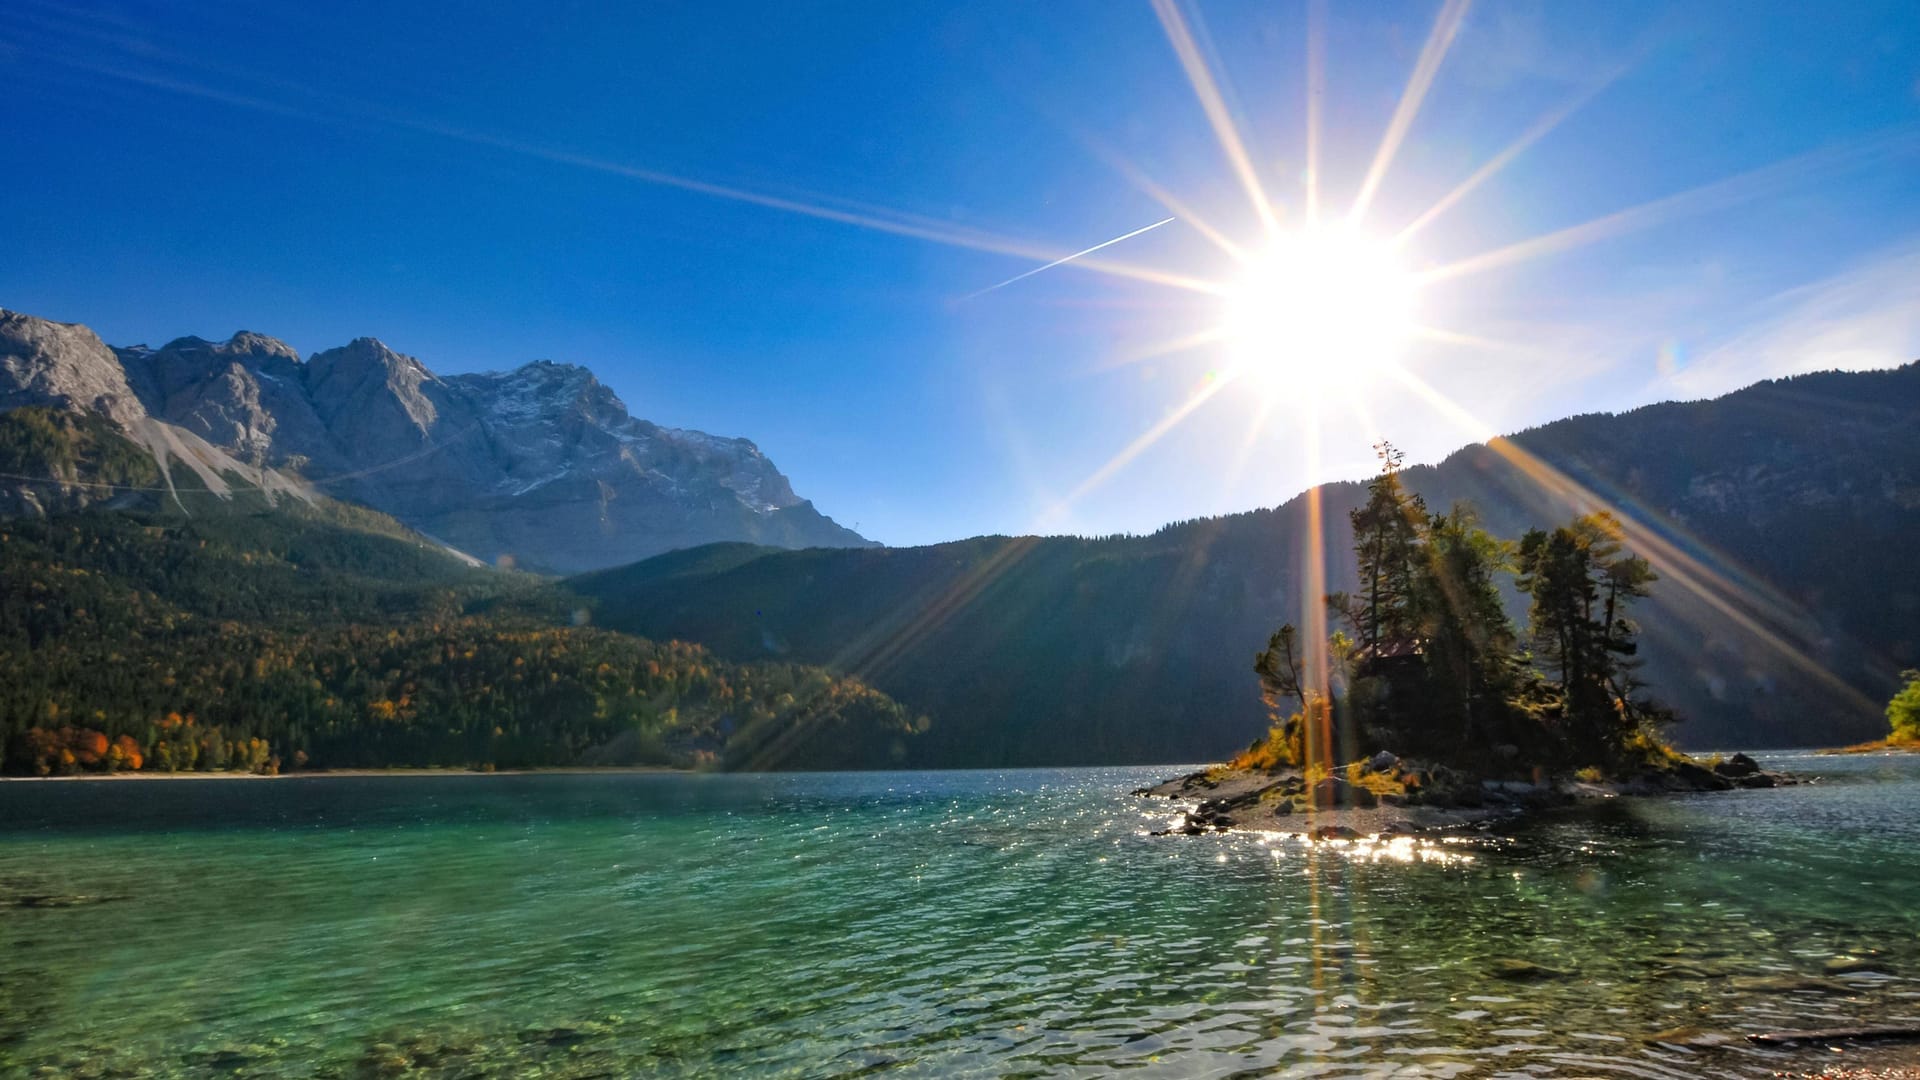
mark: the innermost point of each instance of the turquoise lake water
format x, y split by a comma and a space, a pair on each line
1016, 923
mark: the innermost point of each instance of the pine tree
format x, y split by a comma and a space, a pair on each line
1470, 643
1386, 541
1582, 582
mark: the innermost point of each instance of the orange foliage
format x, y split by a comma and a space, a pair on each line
125, 754
69, 749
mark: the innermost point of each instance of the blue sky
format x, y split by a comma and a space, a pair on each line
482, 186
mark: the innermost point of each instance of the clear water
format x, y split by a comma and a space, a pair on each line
974, 923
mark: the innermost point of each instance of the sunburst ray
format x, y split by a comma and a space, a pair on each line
1765, 615
1200, 75
1446, 25
1540, 130
1176, 207
1213, 385
1316, 89
1716, 195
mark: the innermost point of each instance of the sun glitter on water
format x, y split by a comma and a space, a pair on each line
1323, 307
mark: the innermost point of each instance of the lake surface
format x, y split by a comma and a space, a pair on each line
965, 923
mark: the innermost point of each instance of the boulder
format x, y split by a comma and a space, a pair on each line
1737, 766
1686, 775
1382, 761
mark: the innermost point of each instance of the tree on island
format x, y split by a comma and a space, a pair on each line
1430, 664
1582, 581
1903, 712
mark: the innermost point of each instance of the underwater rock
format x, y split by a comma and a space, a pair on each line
1855, 1034
45, 900
1525, 971
1785, 984
1688, 1036
1855, 965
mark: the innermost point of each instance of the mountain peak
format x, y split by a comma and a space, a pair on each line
64, 365
366, 386
368, 349
243, 344
543, 463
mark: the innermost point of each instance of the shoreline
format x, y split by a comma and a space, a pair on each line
1597, 791
1883, 746
316, 774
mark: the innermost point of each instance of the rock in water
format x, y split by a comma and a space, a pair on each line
1525, 971
1854, 965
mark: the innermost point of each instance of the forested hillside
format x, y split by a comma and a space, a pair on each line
1781, 514
187, 631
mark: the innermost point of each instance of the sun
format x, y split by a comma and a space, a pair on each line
1323, 307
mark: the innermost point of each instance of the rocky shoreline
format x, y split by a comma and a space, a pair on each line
1387, 795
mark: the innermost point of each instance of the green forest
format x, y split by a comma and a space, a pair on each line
1425, 660
202, 633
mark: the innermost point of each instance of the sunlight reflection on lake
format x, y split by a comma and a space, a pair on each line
987, 923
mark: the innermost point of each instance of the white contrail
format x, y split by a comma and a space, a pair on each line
1066, 259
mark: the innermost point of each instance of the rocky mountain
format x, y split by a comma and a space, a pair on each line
64, 366
1778, 517
542, 466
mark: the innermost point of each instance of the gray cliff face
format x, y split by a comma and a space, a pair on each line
245, 394
63, 365
542, 465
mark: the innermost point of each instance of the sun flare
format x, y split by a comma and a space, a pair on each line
1322, 307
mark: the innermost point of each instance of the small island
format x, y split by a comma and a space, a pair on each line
1426, 708
1903, 720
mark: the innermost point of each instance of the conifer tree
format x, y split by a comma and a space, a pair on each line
1582, 581
1469, 641
1386, 541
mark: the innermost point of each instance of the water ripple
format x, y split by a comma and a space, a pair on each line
991, 924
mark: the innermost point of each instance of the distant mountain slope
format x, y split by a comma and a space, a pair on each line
65, 368
1784, 514
542, 465
188, 629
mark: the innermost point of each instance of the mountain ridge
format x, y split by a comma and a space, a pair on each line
542, 465
1785, 613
